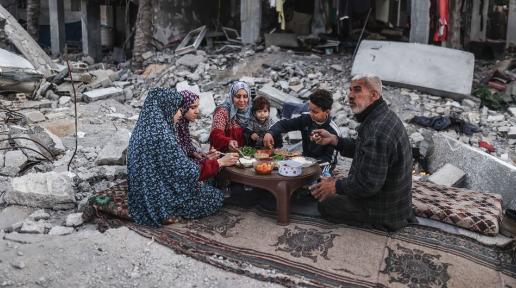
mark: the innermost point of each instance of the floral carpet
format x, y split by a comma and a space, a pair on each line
311, 252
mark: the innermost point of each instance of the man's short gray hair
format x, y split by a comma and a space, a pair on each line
372, 81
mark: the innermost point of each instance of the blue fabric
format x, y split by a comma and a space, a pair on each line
242, 115
162, 179
290, 109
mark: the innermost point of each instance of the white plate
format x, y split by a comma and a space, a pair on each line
305, 161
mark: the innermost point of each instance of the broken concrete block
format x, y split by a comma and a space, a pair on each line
32, 227
102, 77
114, 152
36, 104
495, 118
448, 175
206, 103
276, 97
103, 93
15, 159
511, 134
147, 55
45, 190
191, 60
61, 231
485, 172
74, 220
39, 215
441, 71
64, 101
183, 85
33, 116
47, 139
512, 110
13, 214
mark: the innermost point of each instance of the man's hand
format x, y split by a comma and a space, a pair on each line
255, 137
268, 140
324, 189
229, 159
233, 145
323, 137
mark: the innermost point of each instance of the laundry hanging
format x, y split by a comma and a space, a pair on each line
442, 28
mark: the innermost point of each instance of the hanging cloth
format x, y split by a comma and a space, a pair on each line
281, 13
442, 28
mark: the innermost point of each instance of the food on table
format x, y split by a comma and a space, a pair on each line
264, 151
260, 155
263, 167
248, 151
246, 162
286, 154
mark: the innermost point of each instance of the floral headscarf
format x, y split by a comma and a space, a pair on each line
242, 116
182, 126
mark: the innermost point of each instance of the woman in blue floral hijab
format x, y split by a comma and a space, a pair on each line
163, 181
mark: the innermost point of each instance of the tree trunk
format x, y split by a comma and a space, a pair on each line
33, 12
143, 33
454, 39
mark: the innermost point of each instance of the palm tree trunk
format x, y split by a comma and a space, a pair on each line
33, 12
143, 33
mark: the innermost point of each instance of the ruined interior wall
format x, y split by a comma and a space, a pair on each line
173, 19
20, 13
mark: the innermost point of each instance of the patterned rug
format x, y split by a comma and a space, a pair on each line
311, 252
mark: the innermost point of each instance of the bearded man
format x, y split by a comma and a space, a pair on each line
378, 190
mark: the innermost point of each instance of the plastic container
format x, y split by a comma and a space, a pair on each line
263, 166
290, 168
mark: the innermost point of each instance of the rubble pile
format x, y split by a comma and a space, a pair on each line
37, 131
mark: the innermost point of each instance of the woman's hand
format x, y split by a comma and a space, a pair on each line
199, 155
255, 137
229, 159
233, 145
212, 154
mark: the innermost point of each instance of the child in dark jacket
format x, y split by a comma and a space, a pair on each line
259, 123
318, 117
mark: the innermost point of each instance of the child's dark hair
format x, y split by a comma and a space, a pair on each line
260, 103
322, 99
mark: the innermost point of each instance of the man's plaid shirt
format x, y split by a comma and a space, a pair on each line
380, 178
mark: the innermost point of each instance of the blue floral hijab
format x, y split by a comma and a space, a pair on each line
162, 179
242, 116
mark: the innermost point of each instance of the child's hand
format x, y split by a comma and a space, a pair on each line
255, 137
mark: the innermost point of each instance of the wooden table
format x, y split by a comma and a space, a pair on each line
281, 187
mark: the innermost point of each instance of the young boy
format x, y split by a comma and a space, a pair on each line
318, 117
259, 123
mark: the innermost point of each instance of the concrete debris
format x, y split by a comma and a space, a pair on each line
33, 116
103, 93
33, 227
26, 44
114, 152
13, 214
39, 215
448, 175
190, 60
450, 73
61, 230
277, 97
45, 190
74, 220
14, 161
18, 74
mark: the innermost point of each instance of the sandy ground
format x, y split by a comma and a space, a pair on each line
117, 258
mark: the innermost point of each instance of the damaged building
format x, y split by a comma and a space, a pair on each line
74, 75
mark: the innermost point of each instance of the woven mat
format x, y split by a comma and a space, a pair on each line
314, 253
